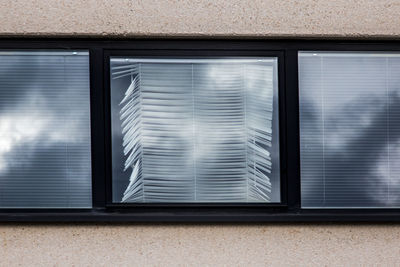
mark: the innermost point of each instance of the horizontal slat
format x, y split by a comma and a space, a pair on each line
349, 129
199, 130
45, 158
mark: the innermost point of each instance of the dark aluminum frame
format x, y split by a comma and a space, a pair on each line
195, 54
289, 210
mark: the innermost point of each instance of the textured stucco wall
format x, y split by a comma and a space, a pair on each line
271, 18
223, 245
212, 245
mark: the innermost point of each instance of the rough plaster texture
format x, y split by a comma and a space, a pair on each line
252, 18
222, 245
212, 245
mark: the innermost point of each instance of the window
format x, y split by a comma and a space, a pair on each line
44, 129
195, 130
350, 129
199, 130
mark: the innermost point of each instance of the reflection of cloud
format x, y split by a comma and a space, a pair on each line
45, 131
19, 129
351, 161
367, 151
16, 130
195, 146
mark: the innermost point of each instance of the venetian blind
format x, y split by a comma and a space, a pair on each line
195, 130
350, 129
45, 159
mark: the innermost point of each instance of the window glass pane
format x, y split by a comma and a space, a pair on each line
44, 130
350, 129
195, 130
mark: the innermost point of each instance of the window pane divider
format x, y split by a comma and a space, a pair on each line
289, 210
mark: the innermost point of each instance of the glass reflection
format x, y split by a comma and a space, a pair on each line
195, 130
44, 130
349, 126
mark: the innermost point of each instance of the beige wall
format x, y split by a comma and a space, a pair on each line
355, 18
246, 245
271, 244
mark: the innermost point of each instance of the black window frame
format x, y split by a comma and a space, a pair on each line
200, 53
289, 210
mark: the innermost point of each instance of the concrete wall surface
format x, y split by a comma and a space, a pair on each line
253, 18
200, 245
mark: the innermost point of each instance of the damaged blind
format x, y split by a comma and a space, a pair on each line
45, 157
195, 130
350, 129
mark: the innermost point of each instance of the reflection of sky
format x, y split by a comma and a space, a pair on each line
44, 130
349, 133
212, 83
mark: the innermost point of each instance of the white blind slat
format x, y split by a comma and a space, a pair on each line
195, 130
